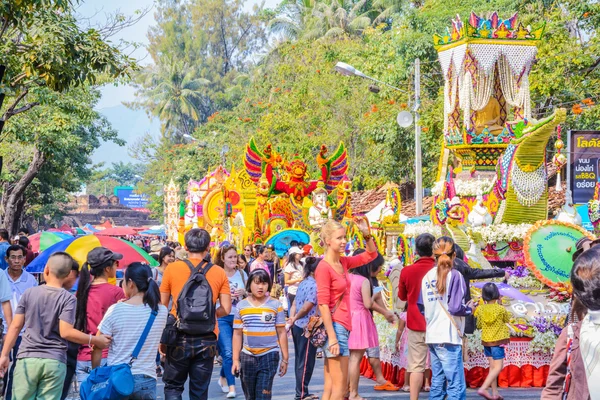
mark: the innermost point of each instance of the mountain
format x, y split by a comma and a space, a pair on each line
130, 124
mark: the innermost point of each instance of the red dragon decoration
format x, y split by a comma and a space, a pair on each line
290, 178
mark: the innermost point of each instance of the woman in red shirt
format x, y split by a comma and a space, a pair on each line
334, 302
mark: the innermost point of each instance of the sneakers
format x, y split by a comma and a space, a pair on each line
224, 388
231, 395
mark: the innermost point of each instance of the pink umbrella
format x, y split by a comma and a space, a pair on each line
117, 231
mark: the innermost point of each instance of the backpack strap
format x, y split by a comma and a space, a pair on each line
199, 267
142, 339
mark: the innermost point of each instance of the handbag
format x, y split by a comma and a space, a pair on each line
315, 330
114, 382
463, 337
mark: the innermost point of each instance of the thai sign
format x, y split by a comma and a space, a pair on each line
585, 155
129, 198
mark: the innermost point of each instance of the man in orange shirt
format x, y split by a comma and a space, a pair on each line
192, 355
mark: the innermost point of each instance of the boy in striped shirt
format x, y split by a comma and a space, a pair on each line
259, 323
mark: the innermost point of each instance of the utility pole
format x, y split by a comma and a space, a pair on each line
418, 166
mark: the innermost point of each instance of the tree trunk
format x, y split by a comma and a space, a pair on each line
13, 207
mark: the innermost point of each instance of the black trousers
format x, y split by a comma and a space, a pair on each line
304, 362
257, 373
191, 356
72, 350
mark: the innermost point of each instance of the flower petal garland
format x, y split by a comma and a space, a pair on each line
414, 230
471, 187
500, 233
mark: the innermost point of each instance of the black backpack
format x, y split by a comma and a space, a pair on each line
196, 310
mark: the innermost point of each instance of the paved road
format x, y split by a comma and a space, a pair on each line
284, 388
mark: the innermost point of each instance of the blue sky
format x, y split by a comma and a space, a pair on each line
130, 124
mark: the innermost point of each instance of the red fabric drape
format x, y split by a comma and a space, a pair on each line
511, 376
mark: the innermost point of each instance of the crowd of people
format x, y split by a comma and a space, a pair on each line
240, 307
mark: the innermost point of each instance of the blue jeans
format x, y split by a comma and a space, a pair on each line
447, 372
342, 338
193, 357
225, 347
144, 388
83, 369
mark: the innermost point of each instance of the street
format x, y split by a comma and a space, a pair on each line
284, 388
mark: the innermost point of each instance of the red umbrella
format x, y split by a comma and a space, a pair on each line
117, 231
106, 225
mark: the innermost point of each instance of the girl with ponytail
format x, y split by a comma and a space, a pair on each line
442, 294
125, 322
94, 296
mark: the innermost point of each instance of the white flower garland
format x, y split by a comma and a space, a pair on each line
414, 230
471, 187
500, 232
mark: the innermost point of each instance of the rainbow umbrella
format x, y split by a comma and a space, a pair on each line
81, 246
42, 240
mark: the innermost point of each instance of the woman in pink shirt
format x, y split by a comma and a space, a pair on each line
334, 302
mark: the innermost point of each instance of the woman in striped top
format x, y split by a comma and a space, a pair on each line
259, 325
125, 322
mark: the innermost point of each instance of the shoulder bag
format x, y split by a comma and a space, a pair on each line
315, 330
114, 382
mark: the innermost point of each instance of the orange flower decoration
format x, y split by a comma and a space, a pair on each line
588, 102
586, 14
277, 90
577, 109
247, 119
374, 108
403, 105
392, 101
425, 129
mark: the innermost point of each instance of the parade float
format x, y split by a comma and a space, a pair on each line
491, 196
272, 200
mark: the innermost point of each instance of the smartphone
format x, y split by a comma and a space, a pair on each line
377, 289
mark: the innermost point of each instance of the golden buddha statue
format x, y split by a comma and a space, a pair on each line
489, 117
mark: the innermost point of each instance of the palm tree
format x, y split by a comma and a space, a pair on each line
173, 92
337, 18
291, 18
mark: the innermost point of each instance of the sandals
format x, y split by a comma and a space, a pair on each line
387, 386
428, 389
485, 395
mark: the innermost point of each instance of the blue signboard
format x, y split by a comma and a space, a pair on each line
129, 198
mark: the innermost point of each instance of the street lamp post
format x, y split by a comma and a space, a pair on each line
349, 70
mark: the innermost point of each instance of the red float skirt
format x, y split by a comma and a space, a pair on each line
521, 368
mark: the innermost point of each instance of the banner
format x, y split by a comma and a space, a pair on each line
129, 198
585, 155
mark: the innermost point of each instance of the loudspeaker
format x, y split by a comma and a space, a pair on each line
404, 119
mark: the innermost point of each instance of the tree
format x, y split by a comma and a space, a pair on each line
45, 54
175, 95
201, 47
49, 155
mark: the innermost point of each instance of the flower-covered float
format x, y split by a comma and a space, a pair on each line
492, 196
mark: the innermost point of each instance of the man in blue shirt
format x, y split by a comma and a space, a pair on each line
4, 243
19, 281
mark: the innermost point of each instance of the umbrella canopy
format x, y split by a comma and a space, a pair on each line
89, 227
154, 232
42, 240
82, 231
80, 247
282, 240
549, 246
105, 225
507, 291
117, 231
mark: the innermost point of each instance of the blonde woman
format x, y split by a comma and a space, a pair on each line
334, 302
